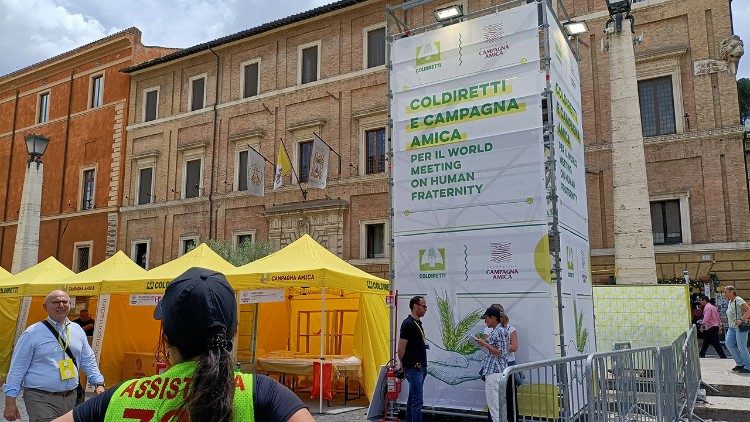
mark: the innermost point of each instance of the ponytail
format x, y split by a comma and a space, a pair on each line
212, 398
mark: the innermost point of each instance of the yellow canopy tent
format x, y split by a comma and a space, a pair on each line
17, 311
125, 322
306, 264
8, 314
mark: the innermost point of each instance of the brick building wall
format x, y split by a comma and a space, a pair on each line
84, 134
700, 165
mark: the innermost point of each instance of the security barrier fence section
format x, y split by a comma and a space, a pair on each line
646, 384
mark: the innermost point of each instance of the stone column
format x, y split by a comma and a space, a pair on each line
26, 249
634, 243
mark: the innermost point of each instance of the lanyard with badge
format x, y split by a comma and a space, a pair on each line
424, 336
65, 364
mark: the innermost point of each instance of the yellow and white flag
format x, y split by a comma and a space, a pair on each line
318, 173
283, 166
256, 180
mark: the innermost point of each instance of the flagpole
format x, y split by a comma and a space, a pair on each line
332, 150
262, 156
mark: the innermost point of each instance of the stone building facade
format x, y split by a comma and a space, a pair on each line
79, 100
697, 177
194, 113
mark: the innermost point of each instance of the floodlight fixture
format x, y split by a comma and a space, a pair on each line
449, 13
575, 28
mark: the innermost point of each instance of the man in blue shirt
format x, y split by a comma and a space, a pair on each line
44, 370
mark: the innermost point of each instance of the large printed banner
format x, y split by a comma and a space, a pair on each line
469, 196
470, 209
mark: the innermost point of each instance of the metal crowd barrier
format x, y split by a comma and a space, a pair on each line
646, 384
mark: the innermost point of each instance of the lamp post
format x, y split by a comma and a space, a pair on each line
634, 242
26, 249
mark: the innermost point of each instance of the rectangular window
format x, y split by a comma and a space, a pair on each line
192, 178
140, 254
197, 93
375, 146
666, 222
250, 80
246, 237
657, 106
242, 171
43, 108
309, 65
83, 258
305, 153
151, 105
97, 91
187, 244
375, 240
87, 197
145, 185
375, 47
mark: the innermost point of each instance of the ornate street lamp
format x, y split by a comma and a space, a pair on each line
618, 11
36, 145
26, 248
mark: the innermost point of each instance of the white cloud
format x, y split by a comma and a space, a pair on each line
34, 30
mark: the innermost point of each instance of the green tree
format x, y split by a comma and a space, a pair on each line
241, 254
743, 90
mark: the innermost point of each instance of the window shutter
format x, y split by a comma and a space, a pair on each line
192, 178
151, 99
376, 47
196, 102
310, 64
242, 171
144, 185
251, 80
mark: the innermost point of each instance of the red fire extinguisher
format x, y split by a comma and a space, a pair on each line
392, 391
394, 384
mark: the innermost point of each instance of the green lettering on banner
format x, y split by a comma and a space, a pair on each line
560, 112
437, 138
447, 192
467, 114
461, 95
436, 168
560, 94
452, 178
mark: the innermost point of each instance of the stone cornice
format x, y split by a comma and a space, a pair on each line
317, 123
737, 131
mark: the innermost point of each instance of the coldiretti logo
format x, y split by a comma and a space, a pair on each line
432, 259
428, 53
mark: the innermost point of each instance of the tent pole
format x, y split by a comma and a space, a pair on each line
322, 349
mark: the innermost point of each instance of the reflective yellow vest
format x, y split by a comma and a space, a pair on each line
158, 398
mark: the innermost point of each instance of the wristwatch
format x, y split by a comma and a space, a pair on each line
100, 385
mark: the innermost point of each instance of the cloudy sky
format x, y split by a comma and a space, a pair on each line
33, 30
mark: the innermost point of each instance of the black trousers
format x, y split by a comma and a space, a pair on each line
711, 337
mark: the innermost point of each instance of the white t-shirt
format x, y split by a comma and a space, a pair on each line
510, 329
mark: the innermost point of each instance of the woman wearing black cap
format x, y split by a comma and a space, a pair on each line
199, 319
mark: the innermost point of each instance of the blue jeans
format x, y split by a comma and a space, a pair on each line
416, 377
736, 342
